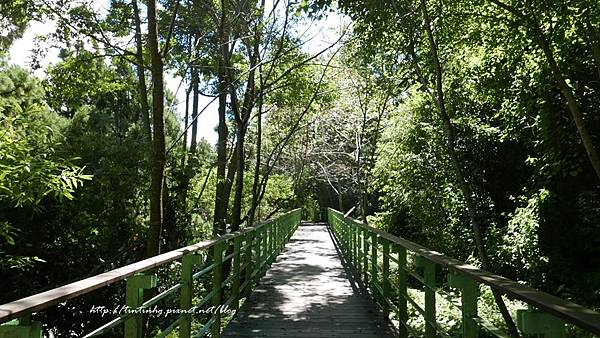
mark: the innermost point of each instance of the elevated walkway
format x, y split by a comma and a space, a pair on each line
307, 292
297, 279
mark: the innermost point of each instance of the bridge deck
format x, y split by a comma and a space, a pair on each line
308, 293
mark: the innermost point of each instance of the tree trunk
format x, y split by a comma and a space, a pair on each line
185, 166
571, 102
186, 122
340, 201
255, 184
143, 91
229, 179
236, 214
158, 144
538, 35
195, 103
219, 219
464, 185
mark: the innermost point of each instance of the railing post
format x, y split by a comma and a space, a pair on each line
342, 236
347, 239
365, 257
134, 298
429, 277
354, 245
386, 275
259, 251
235, 283
358, 258
402, 292
21, 328
277, 244
217, 291
248, 261
374, 245
279, 231
536, 322
269, 248
469, 292
273, 242
187, 289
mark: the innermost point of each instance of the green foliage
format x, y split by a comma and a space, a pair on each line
82, 79
30, 166
14, 18
520, 242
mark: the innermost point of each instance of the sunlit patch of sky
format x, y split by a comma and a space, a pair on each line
320, 33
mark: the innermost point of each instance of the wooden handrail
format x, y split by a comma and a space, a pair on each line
568, 311
44, 300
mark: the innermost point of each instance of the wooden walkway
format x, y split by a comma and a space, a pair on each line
308, 292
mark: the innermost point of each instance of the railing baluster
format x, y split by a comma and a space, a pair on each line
359, 251
469, 292
134, 297
374, 245
235, 283
259, 252
187, 289
365, 257
347, 238
354, 245
429, 278
217, 291
386, 275
402, 291
535, 322
248, 261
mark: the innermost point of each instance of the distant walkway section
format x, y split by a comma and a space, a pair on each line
307, 292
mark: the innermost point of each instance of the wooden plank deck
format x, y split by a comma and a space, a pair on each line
308, 292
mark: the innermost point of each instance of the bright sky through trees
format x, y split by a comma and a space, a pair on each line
319, 33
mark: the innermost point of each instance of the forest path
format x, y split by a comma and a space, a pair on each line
308, 292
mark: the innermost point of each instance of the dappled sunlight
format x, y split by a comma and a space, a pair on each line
308, 292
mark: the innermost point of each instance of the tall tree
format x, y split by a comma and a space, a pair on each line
158, 139
142, 88
527, 17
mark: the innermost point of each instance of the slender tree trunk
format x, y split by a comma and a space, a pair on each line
242, 118
362, 184
219, 219
142, 90
229, 179
544, 44
255, 184
186, 122
185, 166
158, 144
261, 81
195, 104
236, 214
571, 102
464, 185
278, 148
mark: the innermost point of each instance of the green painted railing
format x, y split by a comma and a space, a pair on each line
246, 254
375, 255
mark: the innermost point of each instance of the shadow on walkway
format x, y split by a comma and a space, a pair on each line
309, 292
